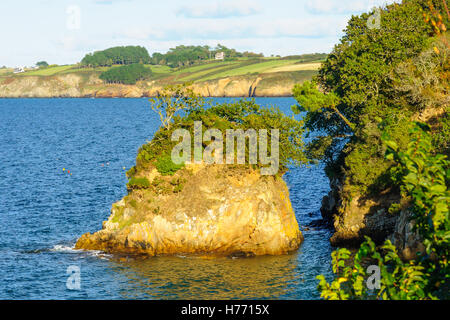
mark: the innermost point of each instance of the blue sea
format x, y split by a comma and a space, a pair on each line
44, 209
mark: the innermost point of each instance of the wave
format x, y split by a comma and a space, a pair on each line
67, 248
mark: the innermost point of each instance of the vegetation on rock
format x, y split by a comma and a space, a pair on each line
243, 114
197, 208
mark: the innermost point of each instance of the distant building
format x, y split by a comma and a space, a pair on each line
220, 55
19, 70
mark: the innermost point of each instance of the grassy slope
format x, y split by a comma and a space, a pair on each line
274, 71
46, 71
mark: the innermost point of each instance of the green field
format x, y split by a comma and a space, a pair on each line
208, 70
50, 71
258, 67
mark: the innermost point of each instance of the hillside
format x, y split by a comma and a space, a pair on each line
238, 77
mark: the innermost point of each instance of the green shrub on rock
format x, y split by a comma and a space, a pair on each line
165, 165
138, 183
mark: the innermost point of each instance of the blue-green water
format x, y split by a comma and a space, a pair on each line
43, 210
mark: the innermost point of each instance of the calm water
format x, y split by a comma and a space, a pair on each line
43, 210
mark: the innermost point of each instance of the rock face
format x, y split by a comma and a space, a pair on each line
363, 217
201, 210
358, 217
405, 239
369, 217
75, 86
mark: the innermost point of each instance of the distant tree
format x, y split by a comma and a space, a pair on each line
116, 55
172, 99
128, 74
42, 64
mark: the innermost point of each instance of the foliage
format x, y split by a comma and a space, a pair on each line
42, 64
172, 99
182, 56
116, 55
441, 137
138, 183
243, 114
424, 178
165, 166
388, 73
128, 74
422, 82
398, 280
313, 101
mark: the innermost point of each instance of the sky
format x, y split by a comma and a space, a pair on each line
63, 31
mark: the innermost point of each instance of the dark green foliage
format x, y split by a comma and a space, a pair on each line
138, 183
372, 75
165, 166
116, 55
42, 64
129, 74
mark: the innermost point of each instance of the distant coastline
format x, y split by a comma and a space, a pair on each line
72, 87
260, 78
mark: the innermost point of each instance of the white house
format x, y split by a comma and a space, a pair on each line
220, 55
19, 70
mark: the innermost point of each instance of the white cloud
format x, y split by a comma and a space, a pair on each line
108, 2
220, 9
343, 6
204, 29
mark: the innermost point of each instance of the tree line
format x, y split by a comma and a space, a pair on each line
181, 56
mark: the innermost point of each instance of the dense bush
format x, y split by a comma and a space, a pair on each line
42, 64
165, 166
138, 183
243, 114
126, 74
390, 73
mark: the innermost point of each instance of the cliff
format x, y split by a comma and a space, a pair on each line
356, 216
201, 209
80, 86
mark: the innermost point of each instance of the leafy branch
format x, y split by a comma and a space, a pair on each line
174, 98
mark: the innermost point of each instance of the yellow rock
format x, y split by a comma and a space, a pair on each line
219, 211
